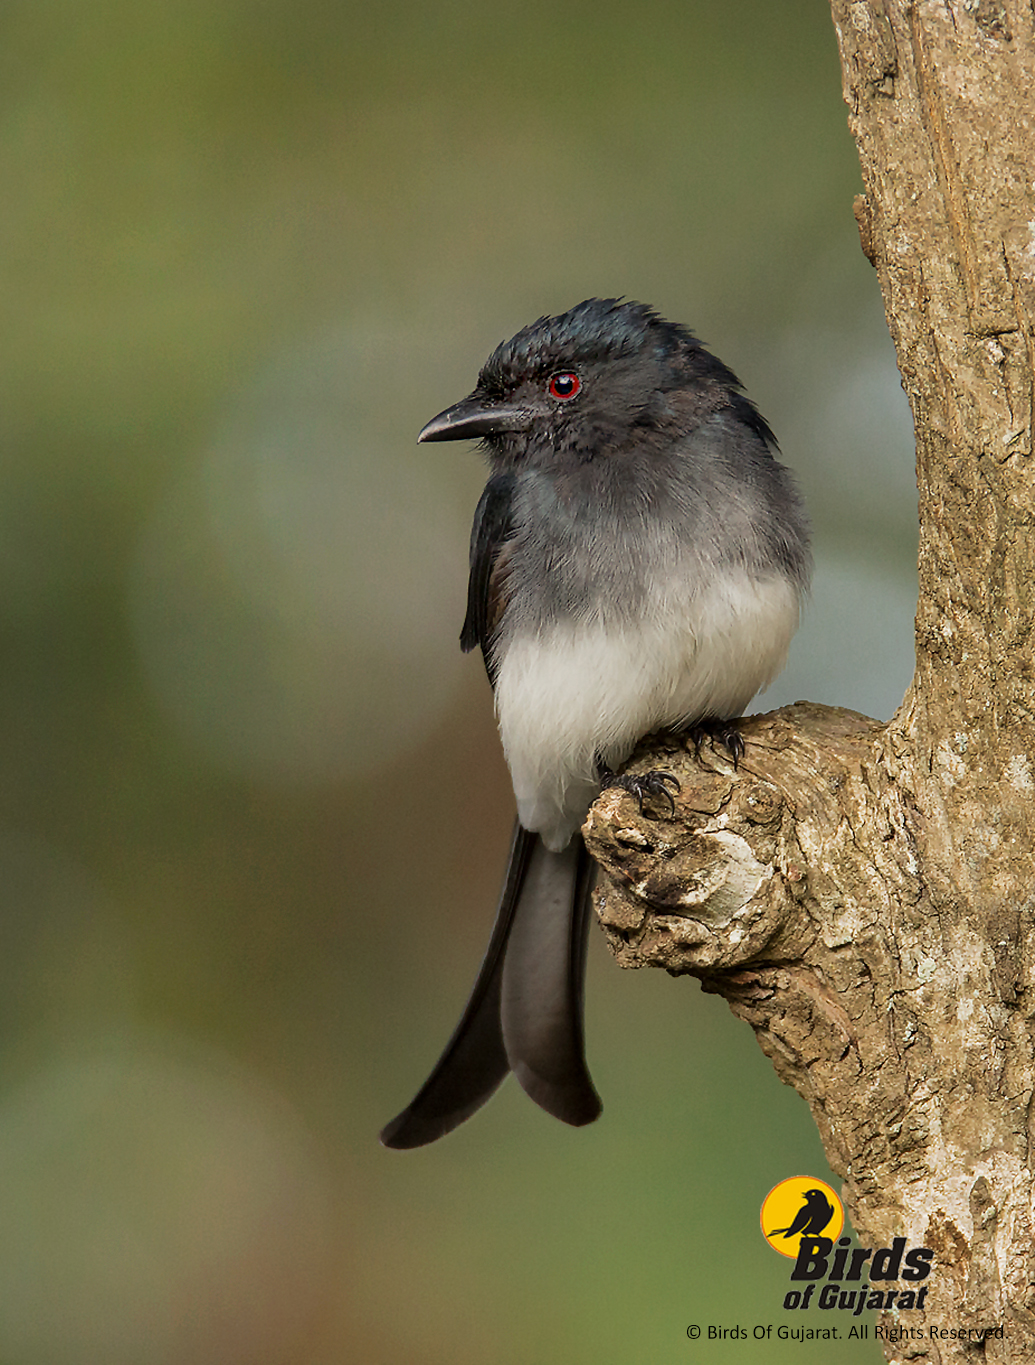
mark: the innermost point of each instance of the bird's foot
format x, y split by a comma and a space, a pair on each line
643, 785
724, 732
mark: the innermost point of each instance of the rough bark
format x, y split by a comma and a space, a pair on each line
863, 893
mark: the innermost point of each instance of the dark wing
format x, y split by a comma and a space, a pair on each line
485, 588
823, 1213
801, 1218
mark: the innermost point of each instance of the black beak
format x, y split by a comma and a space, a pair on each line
474, 416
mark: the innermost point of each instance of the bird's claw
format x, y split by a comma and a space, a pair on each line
724, 732
642, 785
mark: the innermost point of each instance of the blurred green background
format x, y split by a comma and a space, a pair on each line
254, 810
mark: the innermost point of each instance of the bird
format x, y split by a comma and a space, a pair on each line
638, 562
811, 1218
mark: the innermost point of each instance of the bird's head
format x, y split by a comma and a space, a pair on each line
586, 383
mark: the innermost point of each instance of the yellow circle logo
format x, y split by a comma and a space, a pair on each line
800, 1207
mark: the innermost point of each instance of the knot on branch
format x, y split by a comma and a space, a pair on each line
725, 882
816, 889
772, 882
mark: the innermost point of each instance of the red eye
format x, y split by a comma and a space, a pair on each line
565, 385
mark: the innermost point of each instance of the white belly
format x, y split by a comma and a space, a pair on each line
588, 688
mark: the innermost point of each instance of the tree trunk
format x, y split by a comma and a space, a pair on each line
863, 893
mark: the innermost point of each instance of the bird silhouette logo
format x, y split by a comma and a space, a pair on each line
812, 1217
800, 1207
